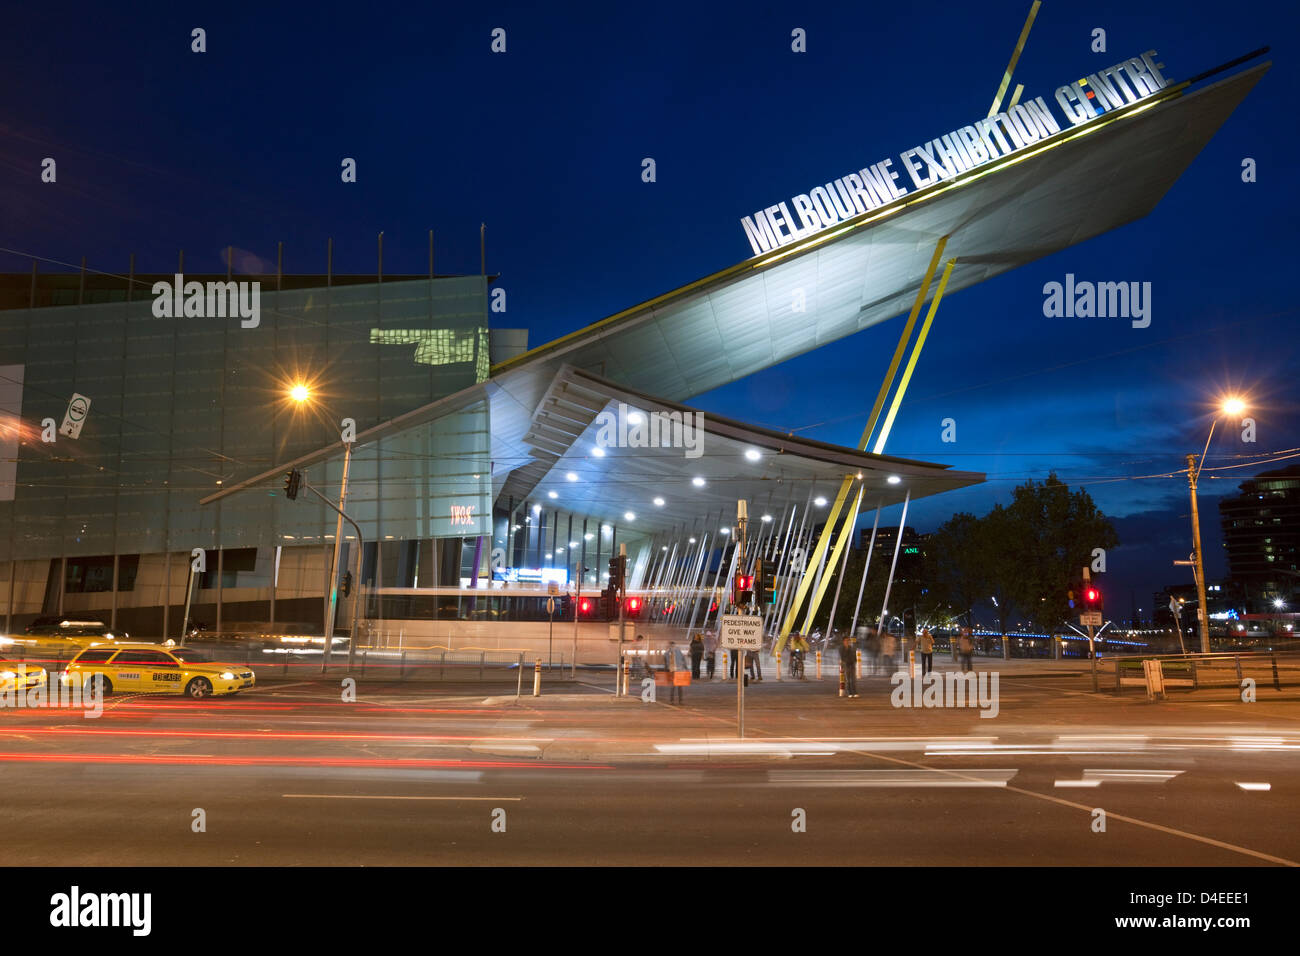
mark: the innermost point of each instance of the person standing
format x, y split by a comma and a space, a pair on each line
848, 662
925, 644
697, 655
873, 650
710, 651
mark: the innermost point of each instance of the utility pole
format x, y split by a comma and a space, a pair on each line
620, 687
742, 519
1202, 612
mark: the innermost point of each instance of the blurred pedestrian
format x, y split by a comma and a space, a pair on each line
887, 645
753, 666
967, 647
798, 654
925, 644
710, 651
674, 664
848, 666
873, 650
697, 655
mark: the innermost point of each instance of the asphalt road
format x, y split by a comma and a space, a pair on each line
432, 774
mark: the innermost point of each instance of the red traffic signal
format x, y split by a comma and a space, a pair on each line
584, 606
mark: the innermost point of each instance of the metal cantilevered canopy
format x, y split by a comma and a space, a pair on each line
1072, 186
606, 486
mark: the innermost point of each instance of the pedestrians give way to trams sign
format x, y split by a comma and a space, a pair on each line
742, 632
1090, 617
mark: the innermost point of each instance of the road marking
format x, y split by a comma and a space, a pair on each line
1254, 786
383, 796
888, 778
1095, 778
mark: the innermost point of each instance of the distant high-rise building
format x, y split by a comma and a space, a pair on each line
1261, 534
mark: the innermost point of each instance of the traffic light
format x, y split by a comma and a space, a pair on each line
1091, 597
764, 583
633, 606
618, 572
584, 607
291, 482
744, 590
345, 588
609, 604
909, 622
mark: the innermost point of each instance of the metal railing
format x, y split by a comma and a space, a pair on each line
1192, 672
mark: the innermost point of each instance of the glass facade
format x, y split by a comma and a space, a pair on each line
180, 407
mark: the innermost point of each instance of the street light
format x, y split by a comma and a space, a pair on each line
1233, 407
300, 393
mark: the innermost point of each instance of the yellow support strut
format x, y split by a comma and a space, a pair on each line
827, 533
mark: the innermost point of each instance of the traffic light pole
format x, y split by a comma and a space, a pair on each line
356, 600
742, 519
619, 687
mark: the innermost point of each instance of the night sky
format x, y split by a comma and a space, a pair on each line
159, 148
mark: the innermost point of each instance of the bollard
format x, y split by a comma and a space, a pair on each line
1277, 684
726, 665
911, 665
777, 658
857, 657
626, 676
537, 677
819, 665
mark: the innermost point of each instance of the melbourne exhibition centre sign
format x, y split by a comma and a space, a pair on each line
1002, 134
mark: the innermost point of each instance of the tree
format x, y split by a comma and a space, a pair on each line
956, 555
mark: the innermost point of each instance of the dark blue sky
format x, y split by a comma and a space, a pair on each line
159, 149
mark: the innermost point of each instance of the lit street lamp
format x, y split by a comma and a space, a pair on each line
1233, 407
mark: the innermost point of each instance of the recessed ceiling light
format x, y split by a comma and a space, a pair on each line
697, 481
598, 451
628, 516
692, 540
659, 502
664, 548
559, 551
588, 537
753, 454
571, 476
574, 544
537, 509
819, 501
551, 494
726, 531
606, 528
894, 479
549, 555
767, 517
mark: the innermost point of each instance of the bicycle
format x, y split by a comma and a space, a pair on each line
796, 665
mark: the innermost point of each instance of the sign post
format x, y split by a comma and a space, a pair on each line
550, 638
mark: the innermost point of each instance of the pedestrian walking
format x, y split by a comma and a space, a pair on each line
697, 655
925, 644
967, 647
675, 665
710, 651
848, 660
753, 666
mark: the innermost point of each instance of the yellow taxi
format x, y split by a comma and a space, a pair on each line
18, 676
135, 668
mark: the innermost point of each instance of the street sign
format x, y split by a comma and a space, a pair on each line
550, 605
75, 416
741, 632
552, 587
1090, 617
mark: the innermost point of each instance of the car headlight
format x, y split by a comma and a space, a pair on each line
8, 675
227, 676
